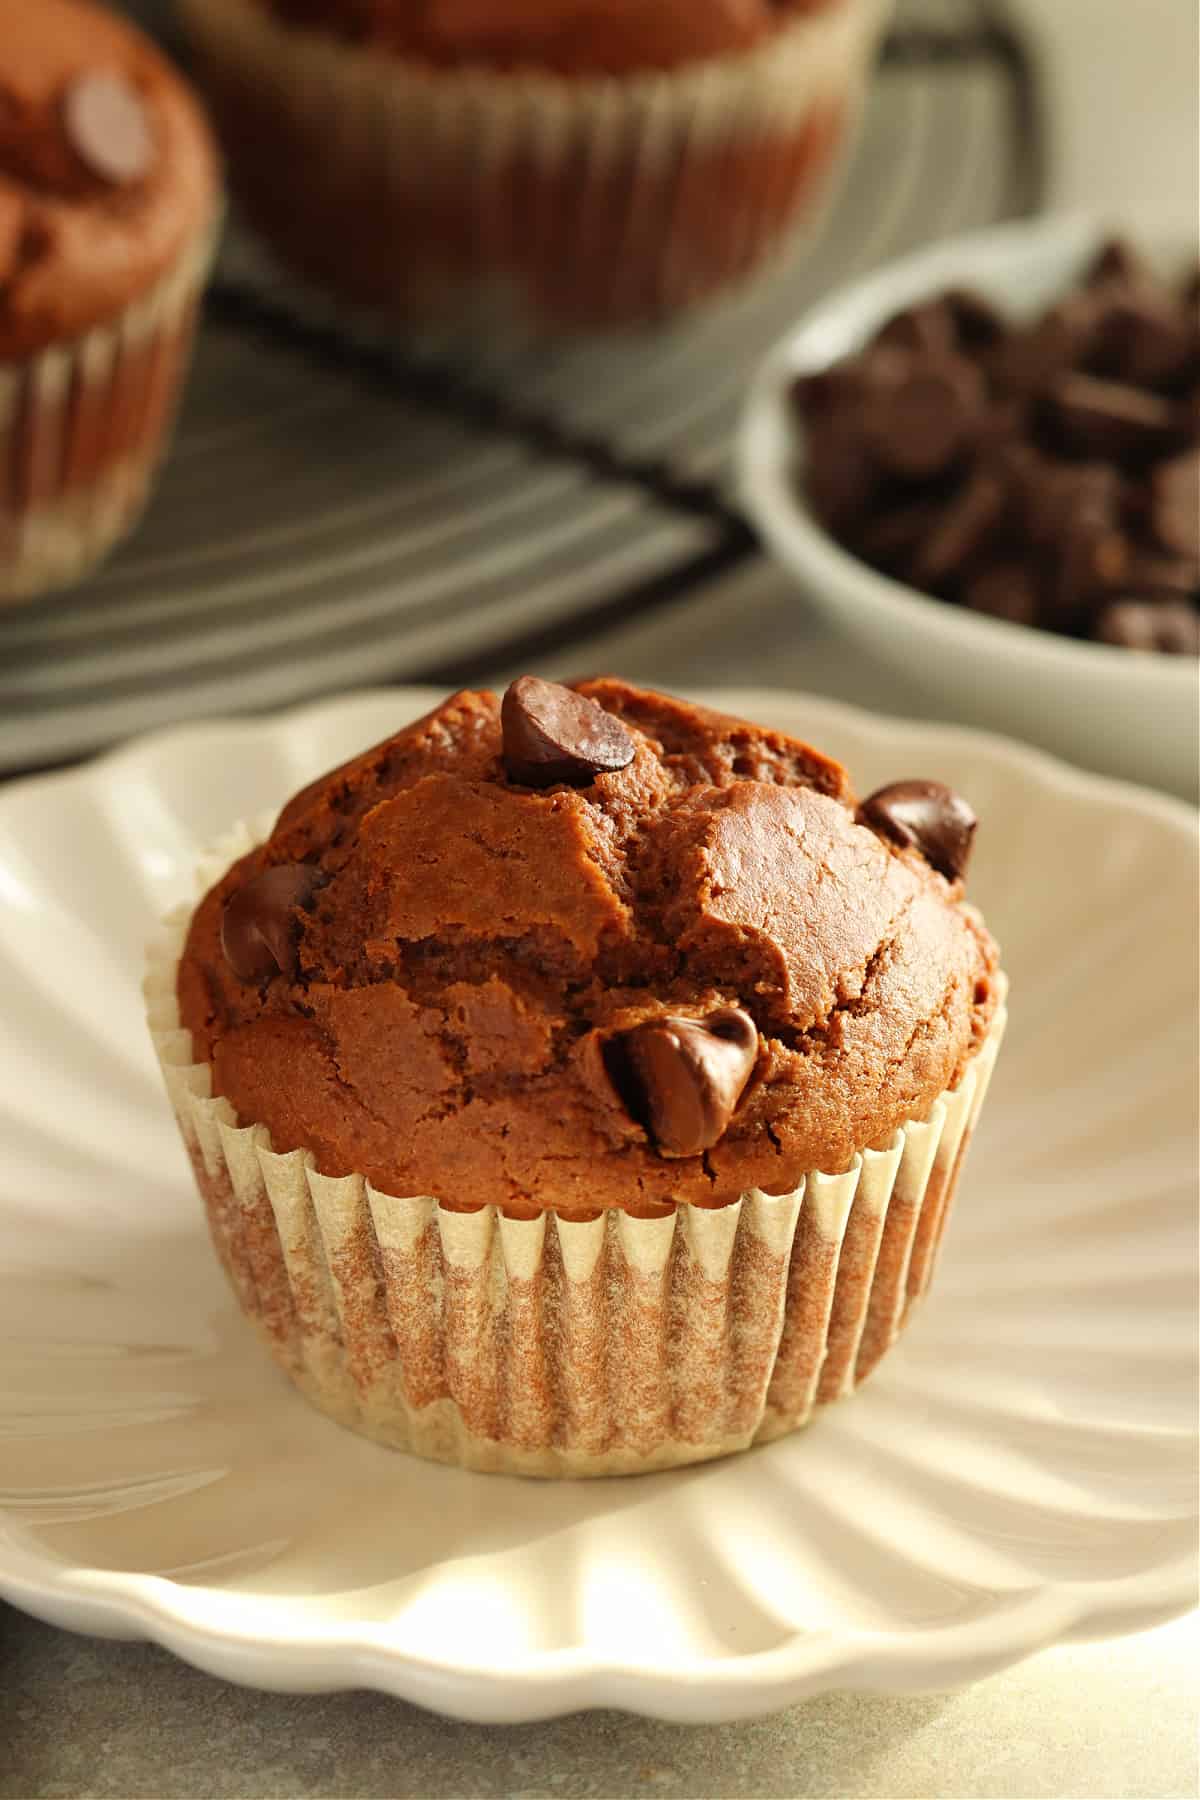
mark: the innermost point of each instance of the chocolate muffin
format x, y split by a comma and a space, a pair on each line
108, 205
616, 1069
550, 162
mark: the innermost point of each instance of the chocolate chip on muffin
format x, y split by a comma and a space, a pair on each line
683, 1077
928, 816
259, 926
554, 735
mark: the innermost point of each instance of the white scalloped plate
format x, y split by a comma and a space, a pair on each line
1023, 1466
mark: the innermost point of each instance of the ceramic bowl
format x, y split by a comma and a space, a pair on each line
1117, 711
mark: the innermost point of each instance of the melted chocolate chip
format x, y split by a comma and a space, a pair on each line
259, 927
682, 1078
109, 130
552, 734
927, 817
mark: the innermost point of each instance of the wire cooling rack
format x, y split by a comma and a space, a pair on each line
339, 510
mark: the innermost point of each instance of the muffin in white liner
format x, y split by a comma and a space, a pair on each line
534, 196
560, 1339
83, 428
109, 208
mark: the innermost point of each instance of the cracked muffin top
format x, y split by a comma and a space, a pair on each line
107, 170
590, 947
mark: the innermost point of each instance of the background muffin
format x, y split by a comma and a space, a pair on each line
591, 164
599, 978
108, 205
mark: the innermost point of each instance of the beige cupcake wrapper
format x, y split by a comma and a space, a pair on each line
553, 1347
638, 156
83, 426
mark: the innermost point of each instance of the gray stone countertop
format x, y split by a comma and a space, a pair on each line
79, 1717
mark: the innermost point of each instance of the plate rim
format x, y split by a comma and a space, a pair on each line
1042, 763
124, 1604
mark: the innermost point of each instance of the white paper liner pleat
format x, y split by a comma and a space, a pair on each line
83, 426
555, 1346
617, 222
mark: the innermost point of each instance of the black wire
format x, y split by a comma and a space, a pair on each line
439, 387
677, 587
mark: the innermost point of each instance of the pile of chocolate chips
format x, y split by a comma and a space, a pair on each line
1045, 473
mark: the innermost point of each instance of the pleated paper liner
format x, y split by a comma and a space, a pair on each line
83, 426
531, 200
550, 1346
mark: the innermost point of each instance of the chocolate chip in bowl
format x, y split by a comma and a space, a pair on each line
1060, 458
1002, 430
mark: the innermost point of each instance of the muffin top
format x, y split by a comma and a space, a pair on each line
597, 947
107, 170
569, 37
